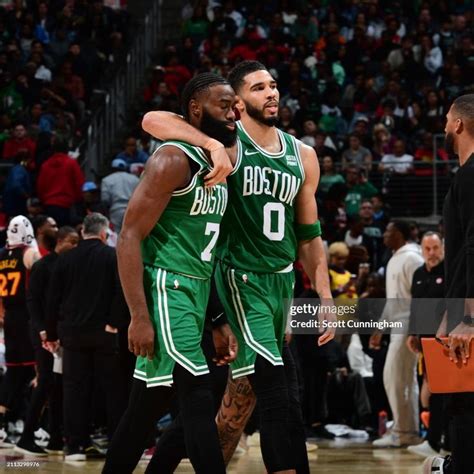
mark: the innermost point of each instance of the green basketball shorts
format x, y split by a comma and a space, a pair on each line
254, 305
177, 306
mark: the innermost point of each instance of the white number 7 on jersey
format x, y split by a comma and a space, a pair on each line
211, 228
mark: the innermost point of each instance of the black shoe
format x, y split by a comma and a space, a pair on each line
74, 454
30, 447
93, 453
320, 431
55, 447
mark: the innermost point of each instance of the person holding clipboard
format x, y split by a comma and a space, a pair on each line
458, 322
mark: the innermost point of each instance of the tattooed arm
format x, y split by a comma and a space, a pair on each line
237, 405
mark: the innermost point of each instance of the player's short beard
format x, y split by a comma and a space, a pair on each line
257, 115
449, 144
49, 241
217, 129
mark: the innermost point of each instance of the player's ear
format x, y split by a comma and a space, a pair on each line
239, 104
458, 126
195, 108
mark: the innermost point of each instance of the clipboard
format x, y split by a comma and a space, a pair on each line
443, 375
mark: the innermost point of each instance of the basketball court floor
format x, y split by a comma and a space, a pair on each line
335, 457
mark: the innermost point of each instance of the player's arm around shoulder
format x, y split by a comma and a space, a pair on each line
170, 126
166, 170
308, 231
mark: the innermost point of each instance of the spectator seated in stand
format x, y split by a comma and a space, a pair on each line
359, 188
329, 176
398, 162
373, 234
131, 154
396, 167
20, 145
341, 281
356, 154
381, 212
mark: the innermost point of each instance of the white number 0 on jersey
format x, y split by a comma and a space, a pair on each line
270, 209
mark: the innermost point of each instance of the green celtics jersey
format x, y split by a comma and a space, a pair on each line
183, 239
258, 228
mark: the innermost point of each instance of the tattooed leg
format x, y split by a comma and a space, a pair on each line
237, 405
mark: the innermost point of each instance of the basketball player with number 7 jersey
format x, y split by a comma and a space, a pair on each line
16, 260
271, 219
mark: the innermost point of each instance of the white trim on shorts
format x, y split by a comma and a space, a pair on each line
154, 381
166, 328
249, 339
287, 269
243, 371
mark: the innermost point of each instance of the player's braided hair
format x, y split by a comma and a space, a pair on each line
195, 86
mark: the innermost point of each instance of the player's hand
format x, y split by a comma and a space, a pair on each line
375, 341
459, 343
225, 344
141, 337
413, 344
330, 317
222, 166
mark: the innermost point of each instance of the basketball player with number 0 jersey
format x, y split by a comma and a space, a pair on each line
271, 219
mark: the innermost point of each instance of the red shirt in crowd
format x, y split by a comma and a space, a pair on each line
13, 146
243, 51
60, 181
176, 76
424, 162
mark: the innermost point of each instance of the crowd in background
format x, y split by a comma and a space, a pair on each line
366, 83
52, 56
